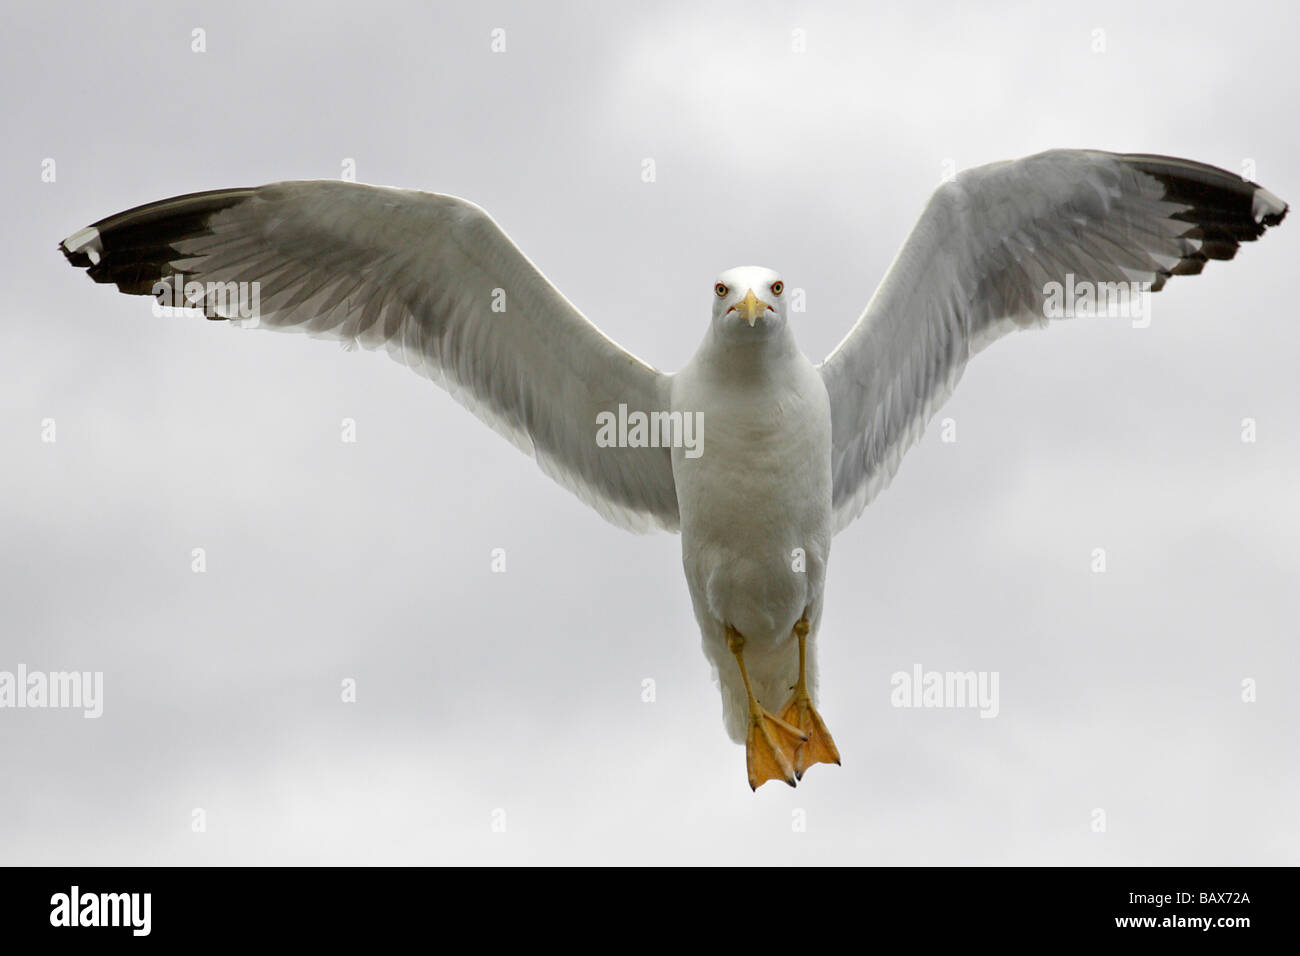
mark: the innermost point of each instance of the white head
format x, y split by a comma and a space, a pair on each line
748, 303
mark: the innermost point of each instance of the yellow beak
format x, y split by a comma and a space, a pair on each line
751, 307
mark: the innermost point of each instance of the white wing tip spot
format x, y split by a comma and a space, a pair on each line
1265, 205
87, 241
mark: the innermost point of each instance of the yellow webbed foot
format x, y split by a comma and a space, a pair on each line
770, 742
770, 747
819, 746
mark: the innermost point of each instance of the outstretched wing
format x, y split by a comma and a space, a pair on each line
980, 264
431, 279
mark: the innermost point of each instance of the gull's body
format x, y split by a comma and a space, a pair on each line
756, 505
791, 452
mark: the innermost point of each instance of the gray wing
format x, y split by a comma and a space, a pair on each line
432, 280
979, 263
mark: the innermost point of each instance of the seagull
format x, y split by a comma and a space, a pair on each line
754, 454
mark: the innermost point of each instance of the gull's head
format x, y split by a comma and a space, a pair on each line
748, 301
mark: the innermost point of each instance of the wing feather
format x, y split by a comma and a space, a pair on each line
978, 265
433, 281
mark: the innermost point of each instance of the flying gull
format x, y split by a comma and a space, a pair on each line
794, 451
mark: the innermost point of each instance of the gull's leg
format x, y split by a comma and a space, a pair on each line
799, 711
770, 742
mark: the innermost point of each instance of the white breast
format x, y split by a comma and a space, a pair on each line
756, 503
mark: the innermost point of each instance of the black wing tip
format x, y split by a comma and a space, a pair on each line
135, 249
1223, 210
1267, 209
78, 259
84, 250
1214, 196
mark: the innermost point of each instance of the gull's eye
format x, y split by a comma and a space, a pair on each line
778, 288
721, 290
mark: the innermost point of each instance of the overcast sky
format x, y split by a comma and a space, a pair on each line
518, 697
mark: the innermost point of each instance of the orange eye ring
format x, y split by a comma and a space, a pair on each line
721, 290
778, 287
